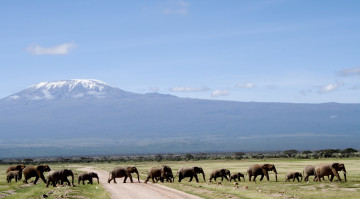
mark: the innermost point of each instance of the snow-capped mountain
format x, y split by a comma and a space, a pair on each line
75, 88
92, 117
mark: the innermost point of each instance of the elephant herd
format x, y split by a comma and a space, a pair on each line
53, 177
164, 172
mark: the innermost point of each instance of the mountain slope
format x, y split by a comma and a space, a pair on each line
88, 113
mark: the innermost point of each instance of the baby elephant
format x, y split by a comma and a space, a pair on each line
293, 175
237, 176
13, 174
89, 177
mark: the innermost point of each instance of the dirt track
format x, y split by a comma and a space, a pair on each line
138, 190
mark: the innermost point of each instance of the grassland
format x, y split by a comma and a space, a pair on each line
21, 190
263, 189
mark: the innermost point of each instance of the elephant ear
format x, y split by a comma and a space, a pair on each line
335, 166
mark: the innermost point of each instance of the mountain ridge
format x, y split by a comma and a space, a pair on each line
153, 122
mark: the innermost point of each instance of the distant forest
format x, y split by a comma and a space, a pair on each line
326, 153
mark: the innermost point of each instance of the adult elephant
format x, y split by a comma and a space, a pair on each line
158, 172
331, 170
190, 172
219, 173
60, 175
310, 171
35, 171
88, 176
263, 170
119, 172
19, 167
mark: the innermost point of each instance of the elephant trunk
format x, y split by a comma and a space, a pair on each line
97, 177
138, 177
203, 176
345, 174
72, 178
275, 174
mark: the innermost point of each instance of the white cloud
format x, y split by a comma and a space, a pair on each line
14, 97
217, 93
246, 85
176, 7
350, 71
330, 87
96, 94
47, 95
61, 49
189, 89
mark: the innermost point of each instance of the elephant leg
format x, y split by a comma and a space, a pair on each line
267, 176
91, 181
36, 179
83, 181
131, 180
196, 178
250, 177
332, 178
191, 178
294, 179
153, 180
226, 178
180, 177
147, 179
125, 178
255, 177
262, 177
298, 179
115, 180
47, 184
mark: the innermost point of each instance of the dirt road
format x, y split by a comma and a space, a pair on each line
138, 190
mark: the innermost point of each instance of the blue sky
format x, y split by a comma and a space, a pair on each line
265, 51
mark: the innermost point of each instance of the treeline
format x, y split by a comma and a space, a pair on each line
327, 153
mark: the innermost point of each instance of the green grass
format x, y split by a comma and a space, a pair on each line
263, 189
260, 189
36, 191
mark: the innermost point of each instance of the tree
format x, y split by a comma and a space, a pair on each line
349, 151
239, 155
306, 152
290, 153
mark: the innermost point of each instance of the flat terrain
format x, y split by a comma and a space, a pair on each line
263, 189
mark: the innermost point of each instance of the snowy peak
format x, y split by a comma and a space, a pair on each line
91, 84
73, 89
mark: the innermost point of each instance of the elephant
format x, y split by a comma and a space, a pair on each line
13, 174
256, 169
190, 172
88, 176
60, 175
310, 171
219, 173
19, 167
237, 176
293, 175
158, 172
168, 176
119, 172
35, 171
331, 170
